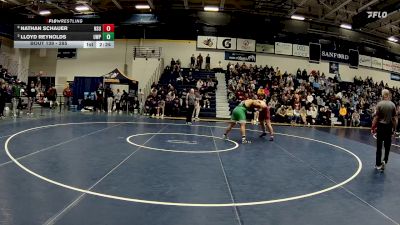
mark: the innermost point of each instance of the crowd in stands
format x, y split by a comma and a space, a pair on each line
23, 96
307, 97
171, 96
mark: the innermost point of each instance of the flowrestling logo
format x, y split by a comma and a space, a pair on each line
377, 14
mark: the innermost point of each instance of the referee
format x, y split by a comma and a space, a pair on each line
384, 124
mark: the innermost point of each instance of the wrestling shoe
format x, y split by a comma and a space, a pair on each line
271, 138
379, 168
245, 141
383, 164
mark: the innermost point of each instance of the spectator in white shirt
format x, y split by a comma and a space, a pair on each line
310, 98
355, 119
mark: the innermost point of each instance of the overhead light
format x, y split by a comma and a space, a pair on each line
297, 17
346, 26
82, 8
393, 39
142, 6
211, 8
44, 12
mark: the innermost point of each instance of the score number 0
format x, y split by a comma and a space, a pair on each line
108, 27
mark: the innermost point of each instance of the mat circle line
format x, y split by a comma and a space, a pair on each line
236, 145
183, 204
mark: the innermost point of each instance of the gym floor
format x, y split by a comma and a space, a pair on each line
80, 169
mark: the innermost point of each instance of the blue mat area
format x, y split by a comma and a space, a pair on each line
183, 172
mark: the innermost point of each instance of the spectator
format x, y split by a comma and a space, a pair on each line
310, 98
355, 119
192, 61
272, 104
208, 62
52, 96
141, 101
197, 106
67, 93
206, 100
110, 99
117, 100
303, 115
3, 94
31, 92
173, 64
281, 114
312, 113
289, 115
190, 104
199, 61
16, 98
343, 114
124, 100
199, 84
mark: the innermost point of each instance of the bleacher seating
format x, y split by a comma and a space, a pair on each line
167, 78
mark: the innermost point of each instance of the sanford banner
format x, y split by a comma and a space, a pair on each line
332, 54
240, 56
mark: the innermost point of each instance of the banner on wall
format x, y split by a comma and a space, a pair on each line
283, 48
246, 45
395, 76
387, 65
301, 50
396, 67
240, 56
265, 48
376, 63
226, 43
365, 60
334, 55
206, 42
333, 67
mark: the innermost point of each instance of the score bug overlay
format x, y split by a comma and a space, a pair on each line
71, 35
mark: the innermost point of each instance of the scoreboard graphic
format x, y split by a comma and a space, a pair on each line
64, 36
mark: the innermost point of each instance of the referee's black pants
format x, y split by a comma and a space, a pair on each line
189, 113
384, 137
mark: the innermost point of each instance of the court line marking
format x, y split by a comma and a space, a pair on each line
333, 181
183, 142
55, 218
235, 209
56, 145
236, 145
178, 203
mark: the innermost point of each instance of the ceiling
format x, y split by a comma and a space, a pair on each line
328, 12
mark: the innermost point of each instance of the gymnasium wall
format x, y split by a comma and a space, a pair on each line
184, 49
95, 62
43, 60
15, 60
